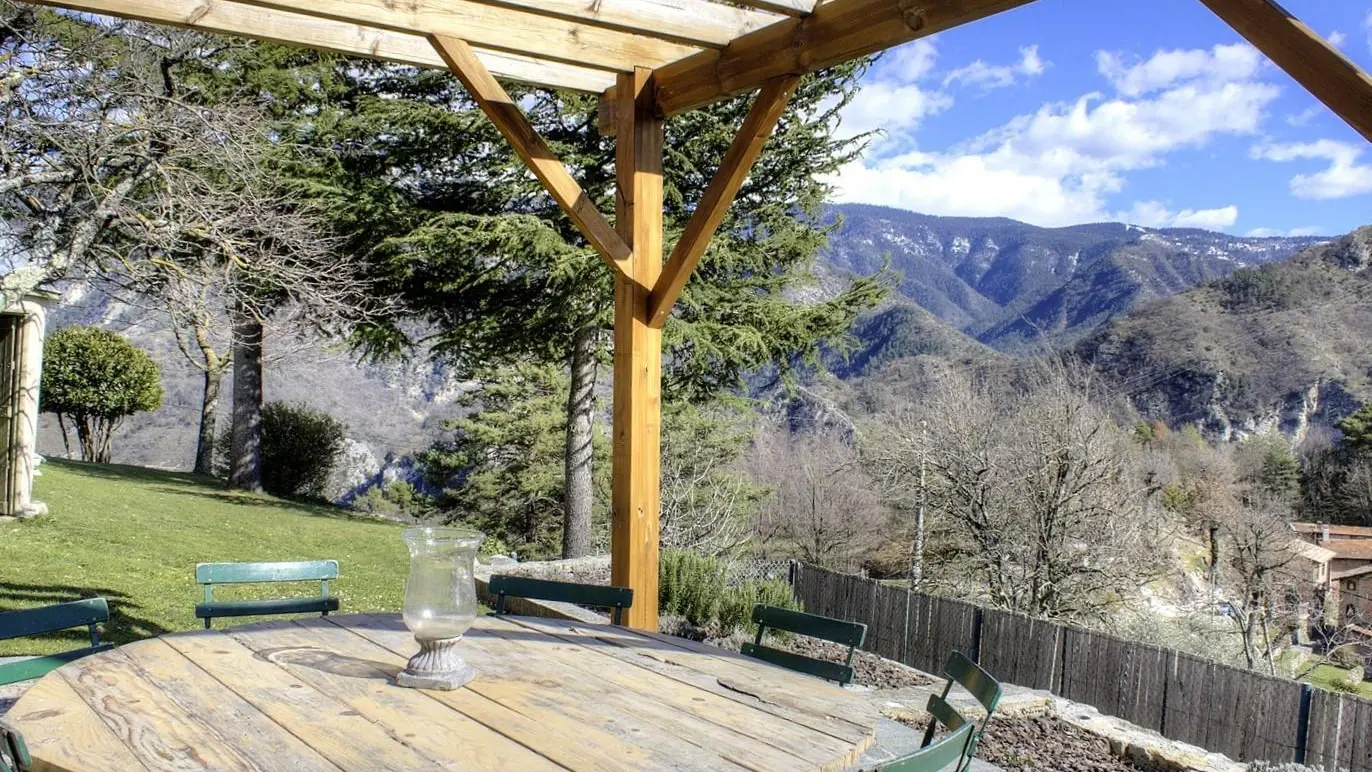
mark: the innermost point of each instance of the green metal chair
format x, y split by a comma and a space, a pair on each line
14, 755
594, 595
850, 634
980, 684
47, 619
948, 751
210, 574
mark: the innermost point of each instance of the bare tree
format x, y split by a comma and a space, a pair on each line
824, 508
1035, 487
1262, 562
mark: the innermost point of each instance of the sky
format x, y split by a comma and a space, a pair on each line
1152, 112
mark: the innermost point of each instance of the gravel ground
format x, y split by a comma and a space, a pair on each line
1046, 744
869, 669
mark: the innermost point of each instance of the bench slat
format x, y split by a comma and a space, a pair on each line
598, 595
813, 625
35, 621
800, 663
247, 608
934, 757
240, 573
36, 667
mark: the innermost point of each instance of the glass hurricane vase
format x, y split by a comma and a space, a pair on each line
440, 604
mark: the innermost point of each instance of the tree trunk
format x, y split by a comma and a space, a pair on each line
214, 367
1214, 554
245, 465
579, 450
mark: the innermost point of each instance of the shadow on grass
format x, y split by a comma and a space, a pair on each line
123, 473
123, 626
239, 498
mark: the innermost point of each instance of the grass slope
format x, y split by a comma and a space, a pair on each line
134, 535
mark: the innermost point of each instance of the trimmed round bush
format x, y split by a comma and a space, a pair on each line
300, 446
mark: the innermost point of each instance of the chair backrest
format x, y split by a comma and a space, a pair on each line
88, 613
952, 749
850, 634
593, 595
243, 573
986, 689
14, 755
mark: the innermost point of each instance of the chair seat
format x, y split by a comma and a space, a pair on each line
247, 608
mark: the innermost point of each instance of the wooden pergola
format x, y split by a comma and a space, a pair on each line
650, 59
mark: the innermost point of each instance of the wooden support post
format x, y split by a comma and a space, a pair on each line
634, 472
491, 97
1332, 77
733, 170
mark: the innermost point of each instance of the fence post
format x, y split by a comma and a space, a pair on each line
791, 568
1169, 676
977, 617
1303, 723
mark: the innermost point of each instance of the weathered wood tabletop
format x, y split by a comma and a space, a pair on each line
317, 694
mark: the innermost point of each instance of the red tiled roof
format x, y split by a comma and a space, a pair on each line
1334, 530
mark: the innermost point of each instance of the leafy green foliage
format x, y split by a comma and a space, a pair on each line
691, 586
501, 467
736, 609
396, 499
96, 379
299, 448
1357, 430
1267, 287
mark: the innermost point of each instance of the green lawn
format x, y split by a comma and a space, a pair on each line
1324, 676
134, 535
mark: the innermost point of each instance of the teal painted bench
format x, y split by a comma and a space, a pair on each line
594, 595
210, 574
986, 689
14, 755
850, 634
36, 621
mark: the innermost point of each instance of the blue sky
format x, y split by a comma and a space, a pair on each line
1148, 111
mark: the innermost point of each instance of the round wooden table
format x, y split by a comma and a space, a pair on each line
317, 694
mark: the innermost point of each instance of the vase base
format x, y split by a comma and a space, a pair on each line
446, 681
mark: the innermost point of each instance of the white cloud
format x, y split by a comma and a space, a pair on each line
1165, 69
989, 76
892, 98
1155, 214
1343, 178
1367, 25
1060, 164
1304, 117
1305, 230
1337, 39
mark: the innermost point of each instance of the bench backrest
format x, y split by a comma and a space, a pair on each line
593, 595
986, 689
850, 634
210, 574
952, 749
88, 613
14, 755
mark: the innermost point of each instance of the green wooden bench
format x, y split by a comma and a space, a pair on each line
36, 621
14, 755
950, 750
980, 684
593, 595
210, 574
850, 634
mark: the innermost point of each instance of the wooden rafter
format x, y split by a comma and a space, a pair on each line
499, 28
714, 204
506, 115
837, 31
788, 7
237, 19
635, 459
1332, 77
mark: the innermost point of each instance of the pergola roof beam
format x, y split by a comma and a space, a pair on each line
1335, 80
488, 26
297, 29
836, 32
507, 117
788, 7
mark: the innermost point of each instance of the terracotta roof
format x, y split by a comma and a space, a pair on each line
1334, 530
1350, 549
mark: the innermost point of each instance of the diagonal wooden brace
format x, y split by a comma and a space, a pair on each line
491, 97
733, 171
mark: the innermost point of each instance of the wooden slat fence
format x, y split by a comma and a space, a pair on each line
1244, 715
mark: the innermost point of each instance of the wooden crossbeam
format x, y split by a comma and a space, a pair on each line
837, 31
499, 28
788, 7
1322, 69
635, 459
507, 117
227, 18
724, 186
693, 22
